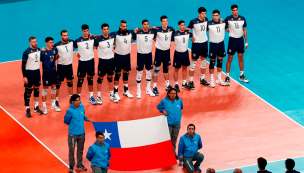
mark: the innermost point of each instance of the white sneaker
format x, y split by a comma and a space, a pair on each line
117, 96
113, 98
138, 94
212, 84
56, 108
220, 81
128, 94
150, 92
99, 100
44, 110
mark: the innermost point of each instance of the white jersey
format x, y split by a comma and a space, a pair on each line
199, 29
236, 26
181, 40
144, 41
164, 38
105, 47
32, 58
123, 42
216, 31
85, 48
65, 52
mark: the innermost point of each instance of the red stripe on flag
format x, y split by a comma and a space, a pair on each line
143, 158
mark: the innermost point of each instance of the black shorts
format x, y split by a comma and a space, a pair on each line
49, 78
217, 49
162, 56
181, 59
33, 78
64, 71
106, 66
236, 45
144, 60
86, 67
122, 62
199, 49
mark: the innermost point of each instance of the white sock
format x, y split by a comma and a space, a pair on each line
57, 98
167, 83
27, 107
116, 86
138, 86
154, 85
241, 72
191, 78
176, 83
79, 95
44, 104
111, 92
91, 94
184, 82
227, 74
98, 93
211, 76
36, 104
149, 84
126, 85
219, 75
69, 95
53, 103
202, 76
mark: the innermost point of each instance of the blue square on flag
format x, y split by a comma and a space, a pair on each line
110, 131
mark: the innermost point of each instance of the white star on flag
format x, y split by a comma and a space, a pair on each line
107, 135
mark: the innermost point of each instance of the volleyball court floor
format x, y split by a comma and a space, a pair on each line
236, 125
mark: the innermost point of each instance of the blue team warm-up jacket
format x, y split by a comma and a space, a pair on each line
99, 155
173, 109
75, 118
188, 146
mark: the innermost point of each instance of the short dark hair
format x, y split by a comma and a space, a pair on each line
234, 6
290, 164
105, 25
262, 162
74, 97
63, 31
180, 22
145, 20
32, 38
201, 9
191, 125
123, 21
84, 27
99, 133
163, 17
47, 39
170, 91
216, 11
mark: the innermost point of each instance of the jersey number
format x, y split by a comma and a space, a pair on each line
87, 45
146, 38
166, 37
108, 45
202, 27
52, 58
184, 40
125, 41
236, 25
218, 29
66, 48
36, 56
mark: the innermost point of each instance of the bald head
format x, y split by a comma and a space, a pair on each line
210, 170
237, 170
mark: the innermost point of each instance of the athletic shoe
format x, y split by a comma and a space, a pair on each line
197, 169
81, 167
168, 87
177, 88
212, 84
117, 96
28, 113
155, 91
128, 94
243, 79
57, 109
37, 110
99, 100
184, 165
149, 92
71, 170
220, 81
191, 85
57, 103
204, 82
138, 94
186, 86
92, 100
44, 110
227, 81
114, 98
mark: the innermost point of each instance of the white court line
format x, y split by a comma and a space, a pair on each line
35, 137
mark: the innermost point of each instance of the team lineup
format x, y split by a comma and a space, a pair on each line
113, 49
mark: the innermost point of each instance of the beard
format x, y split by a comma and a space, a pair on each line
124, 31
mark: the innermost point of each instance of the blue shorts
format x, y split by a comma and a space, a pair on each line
86, 67
181, 59
122, 62
162, 56
199, 49
144, 60
33, 78
64, 71
106, 66
49, 78
217, 49
236, 45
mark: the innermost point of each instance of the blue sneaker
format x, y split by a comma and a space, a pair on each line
92, 100
168, 87
198, 169
155, 91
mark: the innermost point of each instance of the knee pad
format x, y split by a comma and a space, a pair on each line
90, 80
117, 76
28, 92
192, 65
70, 84
99, 80
36, 92
125, 76
53, 90
80, 82
139, 75
165, 69
110, 79
219, 63
156, 70
59, 85
203, 64
148, 75
211, 65
44, 92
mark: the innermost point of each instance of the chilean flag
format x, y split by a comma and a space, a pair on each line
137, 145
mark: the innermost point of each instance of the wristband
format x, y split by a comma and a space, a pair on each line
246, 44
